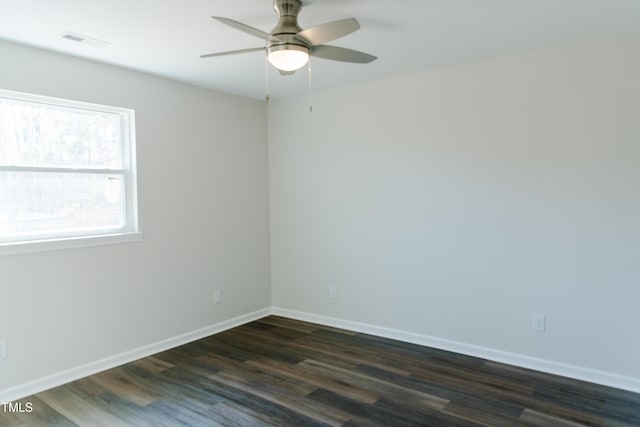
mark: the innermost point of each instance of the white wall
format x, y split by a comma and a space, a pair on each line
203, 206
453, 203
458, 202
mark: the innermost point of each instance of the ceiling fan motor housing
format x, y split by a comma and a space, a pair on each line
287, 27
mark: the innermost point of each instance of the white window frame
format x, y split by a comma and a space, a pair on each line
130, 232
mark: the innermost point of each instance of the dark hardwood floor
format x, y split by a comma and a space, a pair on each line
281, 372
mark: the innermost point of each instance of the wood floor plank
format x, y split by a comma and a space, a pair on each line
256, 374
274, 414
516, 395
123, 385
393, 392
353, 355
230, 414
420, 415
546, 420
363, 415
282, 372
130, 413
153, 364
172, 415
485, 413
318, 381
79, 410
463, 379
42, 415
283, 322
622, 409
285, 399
258, 345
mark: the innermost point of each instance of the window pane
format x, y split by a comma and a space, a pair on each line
46, 204
35, 134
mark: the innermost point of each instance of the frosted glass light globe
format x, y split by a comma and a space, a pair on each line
288, 57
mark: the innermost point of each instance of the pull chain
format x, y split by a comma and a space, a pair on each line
266, 78
310, 105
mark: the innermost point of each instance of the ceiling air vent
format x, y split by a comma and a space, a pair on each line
79, 38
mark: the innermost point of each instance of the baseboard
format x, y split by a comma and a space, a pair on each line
548, 366
27, 389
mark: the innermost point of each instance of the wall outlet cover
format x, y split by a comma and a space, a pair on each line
538, 323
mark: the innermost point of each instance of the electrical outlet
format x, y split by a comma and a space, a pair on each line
538, 323
333, 292
217, 296
3, 350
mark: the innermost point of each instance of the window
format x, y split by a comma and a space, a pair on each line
67, 173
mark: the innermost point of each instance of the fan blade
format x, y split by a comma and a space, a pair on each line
341, 54
247, 29
233, 52
329, 31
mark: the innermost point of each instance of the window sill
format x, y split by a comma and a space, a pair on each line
14, 248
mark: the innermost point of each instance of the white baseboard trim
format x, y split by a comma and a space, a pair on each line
543, 365
36, 386
548, 366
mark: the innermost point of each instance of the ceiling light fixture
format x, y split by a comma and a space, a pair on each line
288, 57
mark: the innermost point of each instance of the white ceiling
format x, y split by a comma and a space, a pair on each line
166, 37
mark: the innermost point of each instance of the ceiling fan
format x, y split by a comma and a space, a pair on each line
288, 46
